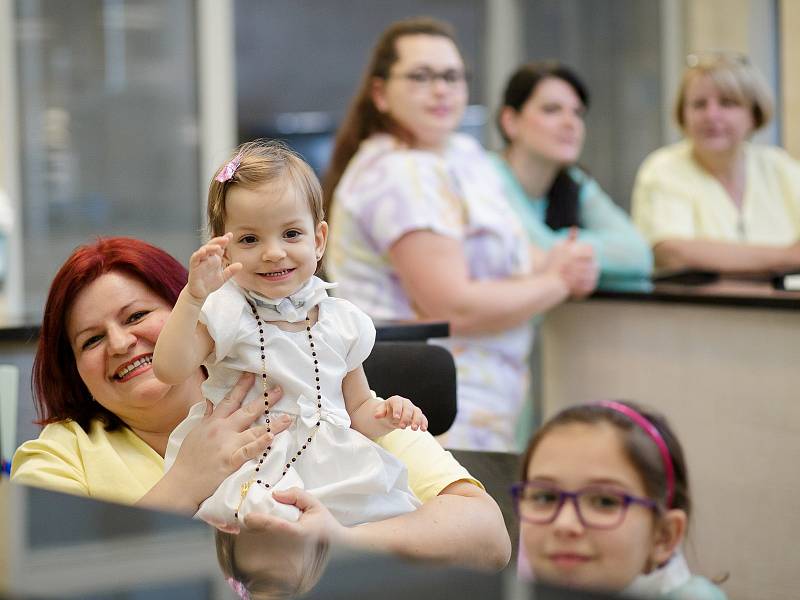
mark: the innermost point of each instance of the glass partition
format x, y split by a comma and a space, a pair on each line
108, 125
615, 47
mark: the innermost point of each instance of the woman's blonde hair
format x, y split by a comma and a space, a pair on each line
255, 163
733, 76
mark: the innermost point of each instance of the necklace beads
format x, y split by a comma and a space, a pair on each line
265, 391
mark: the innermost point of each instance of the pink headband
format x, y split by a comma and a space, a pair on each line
238, 587
229, 169
654, 435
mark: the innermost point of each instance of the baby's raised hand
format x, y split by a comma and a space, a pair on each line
399, 413
206, 270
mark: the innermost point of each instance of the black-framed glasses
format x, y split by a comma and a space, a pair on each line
597, 507
425, 77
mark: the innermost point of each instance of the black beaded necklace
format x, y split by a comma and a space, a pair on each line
256, 480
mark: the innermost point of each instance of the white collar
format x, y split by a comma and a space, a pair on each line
661, 581
295, 307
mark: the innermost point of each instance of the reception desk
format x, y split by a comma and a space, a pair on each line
721, 362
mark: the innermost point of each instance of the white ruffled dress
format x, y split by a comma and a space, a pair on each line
354, 478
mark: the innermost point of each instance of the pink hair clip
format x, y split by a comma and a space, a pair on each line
238, 587
229, 169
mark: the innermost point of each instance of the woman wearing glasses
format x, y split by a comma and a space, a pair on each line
421, 228
715, 201
604, 504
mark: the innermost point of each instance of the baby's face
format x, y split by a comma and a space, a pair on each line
274, 237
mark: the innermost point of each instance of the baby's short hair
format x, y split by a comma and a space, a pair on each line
258, 162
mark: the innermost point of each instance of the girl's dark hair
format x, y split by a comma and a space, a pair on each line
562, 197
640, 449
363, 118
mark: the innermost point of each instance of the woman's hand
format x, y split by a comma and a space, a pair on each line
215, 448
206, 272
575, 263
315, 522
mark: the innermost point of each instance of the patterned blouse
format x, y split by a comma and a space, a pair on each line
389, 190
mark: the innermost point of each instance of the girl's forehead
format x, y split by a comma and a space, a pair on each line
427, 50
579, 454
264, 199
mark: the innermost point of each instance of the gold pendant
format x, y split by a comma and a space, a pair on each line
242, 496
245, 489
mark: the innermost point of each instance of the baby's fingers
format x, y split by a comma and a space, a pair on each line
220, 241
231, 270
418, 420
383, 410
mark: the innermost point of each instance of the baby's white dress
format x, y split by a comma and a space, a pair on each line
355, 479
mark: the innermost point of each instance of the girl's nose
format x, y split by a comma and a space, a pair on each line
567, 520
272, 251
120, 340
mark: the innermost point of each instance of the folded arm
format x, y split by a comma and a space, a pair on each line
461, 526
434, 274
726, 257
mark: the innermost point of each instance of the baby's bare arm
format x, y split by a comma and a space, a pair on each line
184, 342
374, 416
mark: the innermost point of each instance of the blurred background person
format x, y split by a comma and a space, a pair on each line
541, 121
715, 201
421, 229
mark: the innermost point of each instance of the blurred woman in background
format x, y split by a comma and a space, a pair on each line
541, 121
421, 229
715, 201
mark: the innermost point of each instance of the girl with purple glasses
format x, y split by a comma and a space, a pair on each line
604, 504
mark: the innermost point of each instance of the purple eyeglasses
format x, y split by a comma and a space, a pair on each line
597, 507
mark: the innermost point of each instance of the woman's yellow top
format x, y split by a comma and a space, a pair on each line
675, 198
118, 466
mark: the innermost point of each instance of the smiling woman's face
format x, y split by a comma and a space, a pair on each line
565, 552
112, 327
715, 122
549, 127
430, 110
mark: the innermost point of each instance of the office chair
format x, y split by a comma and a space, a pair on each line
423, 373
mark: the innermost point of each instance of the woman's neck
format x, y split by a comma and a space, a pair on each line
173, 408
534, 175
729, 168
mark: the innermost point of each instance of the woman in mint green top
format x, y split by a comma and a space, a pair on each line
541, 121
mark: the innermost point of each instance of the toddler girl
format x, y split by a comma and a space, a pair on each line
253, 304
604, 504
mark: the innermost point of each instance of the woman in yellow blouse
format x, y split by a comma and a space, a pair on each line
715, 201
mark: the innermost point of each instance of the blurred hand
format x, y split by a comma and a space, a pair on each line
575, 263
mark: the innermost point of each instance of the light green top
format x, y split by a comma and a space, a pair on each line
621, 250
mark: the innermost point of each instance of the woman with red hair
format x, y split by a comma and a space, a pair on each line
107, 420
97, 396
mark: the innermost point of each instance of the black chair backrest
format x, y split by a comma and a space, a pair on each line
423, 373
